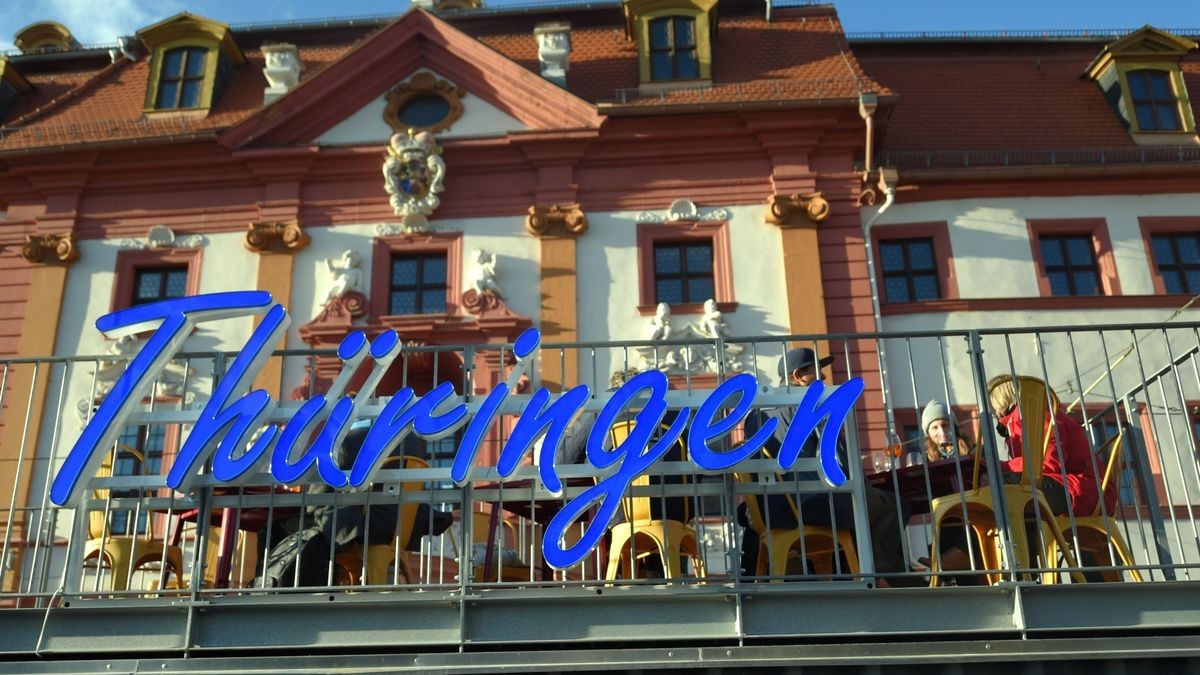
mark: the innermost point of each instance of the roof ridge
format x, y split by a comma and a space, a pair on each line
69, 95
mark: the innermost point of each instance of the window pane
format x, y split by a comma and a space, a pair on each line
920, 254
1145, 117
660, 33
1085, 283
1059, 284
167, 91
1160, 87
195, 62
404, 272
700, 290
1164, 254
190, 98
926, 286
666, 260
433, 301
660, 65
176, 284
669, 291
1193, 281
424, 111
149, 286
699, 258
1052, 251
1079, 251
1188, 251
1172, 281
403, 302
685, 30
1137, 85
434, 271
896, 289
173, 63
892, 257
686, 65
1168, 116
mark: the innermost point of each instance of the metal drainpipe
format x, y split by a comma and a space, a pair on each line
887, 182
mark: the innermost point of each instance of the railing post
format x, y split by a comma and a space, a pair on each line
991, 455
1135, 453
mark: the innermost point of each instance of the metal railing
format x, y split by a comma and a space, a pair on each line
261, 540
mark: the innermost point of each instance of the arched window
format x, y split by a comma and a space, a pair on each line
1154, 101
673, 49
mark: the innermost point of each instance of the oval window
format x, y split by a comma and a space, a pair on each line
424, 111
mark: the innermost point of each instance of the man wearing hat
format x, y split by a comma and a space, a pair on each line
801, 367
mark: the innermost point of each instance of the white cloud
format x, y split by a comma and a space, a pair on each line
96, 21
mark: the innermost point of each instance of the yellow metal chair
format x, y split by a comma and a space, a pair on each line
480, 524
642, 534
821, 544
1037, 405
380, 557
126, 553
1094, 532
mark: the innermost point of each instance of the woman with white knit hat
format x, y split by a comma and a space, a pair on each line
940, 433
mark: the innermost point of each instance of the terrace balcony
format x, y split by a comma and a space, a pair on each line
455, 576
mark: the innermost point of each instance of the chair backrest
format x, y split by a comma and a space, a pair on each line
97, 518
408, 507
1115, 447
480, 522
1037, 403
640, 509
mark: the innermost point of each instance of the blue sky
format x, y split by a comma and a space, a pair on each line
96, 21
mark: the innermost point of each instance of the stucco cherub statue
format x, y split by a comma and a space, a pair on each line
347, 274
660, 323
484, 273
712, 323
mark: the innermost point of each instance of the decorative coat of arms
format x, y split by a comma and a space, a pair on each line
413, 175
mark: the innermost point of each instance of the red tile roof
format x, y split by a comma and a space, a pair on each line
800, 55
988, 96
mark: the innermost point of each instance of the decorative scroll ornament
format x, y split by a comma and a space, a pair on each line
785, 209
683, 210
569, 217
290, 235
39, 248
161, 236
692, 359
413, 175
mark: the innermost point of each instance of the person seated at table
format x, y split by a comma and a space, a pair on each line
941, 435
305, 540
1069, 481
801, 368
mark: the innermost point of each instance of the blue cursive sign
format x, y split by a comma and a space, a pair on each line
223, 434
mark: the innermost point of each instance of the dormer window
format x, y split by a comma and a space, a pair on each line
182, 78
673, 49
191, 61
1141, 77
1154, 100
674, 39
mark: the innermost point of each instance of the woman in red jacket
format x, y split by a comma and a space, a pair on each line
1070, 472
1070, 477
